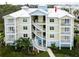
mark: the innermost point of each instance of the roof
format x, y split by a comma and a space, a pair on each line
39, 12
20, 13
59, 13
50, 12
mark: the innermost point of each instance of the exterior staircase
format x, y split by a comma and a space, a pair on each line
35, 44
38, 27
37, 37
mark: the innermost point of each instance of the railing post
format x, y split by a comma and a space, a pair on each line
42, 42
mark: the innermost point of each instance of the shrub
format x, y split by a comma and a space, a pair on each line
53, 46
23, 44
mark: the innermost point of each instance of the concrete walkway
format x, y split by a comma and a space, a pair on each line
51, 54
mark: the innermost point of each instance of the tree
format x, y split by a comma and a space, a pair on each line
7, 9
23, 43
76, 32
66, 9
76, 12
1, 39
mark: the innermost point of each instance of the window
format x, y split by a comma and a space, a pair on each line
24, 27
24, 20
24, 35
51, 35
51, 20
51, 28
11, 28
66, 21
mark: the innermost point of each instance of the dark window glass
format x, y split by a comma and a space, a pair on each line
51, 35
24, 20
51, 20
51, 28
24, 27
24, 35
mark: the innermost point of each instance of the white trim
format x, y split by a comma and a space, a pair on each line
15, 27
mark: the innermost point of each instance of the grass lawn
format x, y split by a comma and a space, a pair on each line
7, 52
65, 52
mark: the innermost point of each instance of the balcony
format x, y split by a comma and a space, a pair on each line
10, 32
39, 19
39, 23
11, 39
65, 22
10, 22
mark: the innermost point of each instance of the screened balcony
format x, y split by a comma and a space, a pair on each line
65, 22
65, 30
10, 22
38, 19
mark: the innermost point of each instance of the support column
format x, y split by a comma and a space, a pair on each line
46, 29
38, 51
59, 45
15, 27
70, 47
59, 34
42, 42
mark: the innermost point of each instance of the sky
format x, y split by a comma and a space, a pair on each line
15, 2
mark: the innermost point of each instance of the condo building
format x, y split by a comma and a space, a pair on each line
44, 26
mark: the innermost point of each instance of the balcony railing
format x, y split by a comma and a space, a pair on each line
10, 32
37, 21
65, 32
65, 40
9, 23
65, 24
11, 39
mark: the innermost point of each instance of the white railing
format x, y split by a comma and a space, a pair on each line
35, 44
38, 27
37, 21
65, 24
38, 35
65, 32
63, 40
